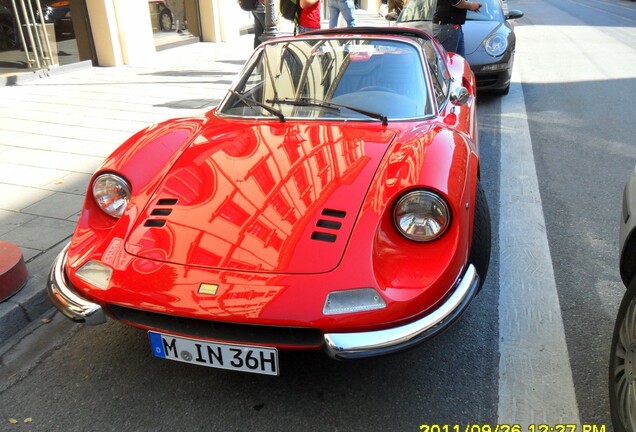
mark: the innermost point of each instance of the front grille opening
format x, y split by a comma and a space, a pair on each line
221, 331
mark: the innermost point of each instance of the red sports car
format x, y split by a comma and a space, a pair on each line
331, 201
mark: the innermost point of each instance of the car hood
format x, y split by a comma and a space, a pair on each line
475, 32
272, 198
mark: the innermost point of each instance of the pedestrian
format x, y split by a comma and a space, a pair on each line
345, 7
259, 22
448, 19
309, 18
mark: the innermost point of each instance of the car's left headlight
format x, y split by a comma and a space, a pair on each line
496, 44
112, 193
422, 215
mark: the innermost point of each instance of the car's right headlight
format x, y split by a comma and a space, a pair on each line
112, 193
422, 215
496, 44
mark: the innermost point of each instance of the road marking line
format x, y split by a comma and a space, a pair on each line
535, 378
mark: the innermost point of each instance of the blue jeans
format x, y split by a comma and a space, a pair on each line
450, 36
300, 29
345, 7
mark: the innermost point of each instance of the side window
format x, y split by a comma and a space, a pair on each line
440, 75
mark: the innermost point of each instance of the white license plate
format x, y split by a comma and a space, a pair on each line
253, 359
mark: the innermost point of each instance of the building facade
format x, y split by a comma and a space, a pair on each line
38, 36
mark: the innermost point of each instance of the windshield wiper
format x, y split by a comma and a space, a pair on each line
251, 102
330, 105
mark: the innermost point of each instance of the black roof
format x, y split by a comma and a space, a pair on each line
395, 31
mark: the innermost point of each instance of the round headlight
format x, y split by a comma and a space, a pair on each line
422, 215
112, 194
496, 44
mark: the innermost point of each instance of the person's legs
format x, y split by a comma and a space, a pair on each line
259, 26
334, 13
460, 43
348, 10
447, 35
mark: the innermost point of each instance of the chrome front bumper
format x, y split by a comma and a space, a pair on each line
337, 345
65, 298
367, 344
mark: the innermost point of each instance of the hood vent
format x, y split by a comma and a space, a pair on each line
164, 210
329, 226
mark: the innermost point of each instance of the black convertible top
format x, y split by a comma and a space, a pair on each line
394, 31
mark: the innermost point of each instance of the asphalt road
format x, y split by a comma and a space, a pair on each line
576, 65
578, 68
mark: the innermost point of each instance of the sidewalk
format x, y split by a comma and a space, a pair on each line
55, 132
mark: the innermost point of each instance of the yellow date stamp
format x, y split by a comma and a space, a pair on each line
539, 427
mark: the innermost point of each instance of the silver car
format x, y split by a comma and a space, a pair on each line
489, 39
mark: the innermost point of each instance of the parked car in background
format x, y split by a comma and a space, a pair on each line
331, 201
488, 35
54, 12
8, 34
622, 368
58, 12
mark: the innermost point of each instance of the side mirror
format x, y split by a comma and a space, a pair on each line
514, 14
460, 96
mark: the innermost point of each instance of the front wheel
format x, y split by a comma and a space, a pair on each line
622, 367
480, 244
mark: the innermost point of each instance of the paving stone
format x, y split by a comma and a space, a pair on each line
10, 220
76, 183
47, 159
15, 198
41, 233
60, 205
28, 176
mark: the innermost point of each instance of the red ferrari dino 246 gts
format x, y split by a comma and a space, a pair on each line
331, 201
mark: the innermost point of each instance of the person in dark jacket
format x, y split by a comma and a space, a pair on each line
448, 19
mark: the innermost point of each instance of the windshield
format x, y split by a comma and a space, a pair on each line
317, 78
422, 10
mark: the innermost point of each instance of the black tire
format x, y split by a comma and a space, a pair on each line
8, 36
622, 364
165, 20
480, 244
